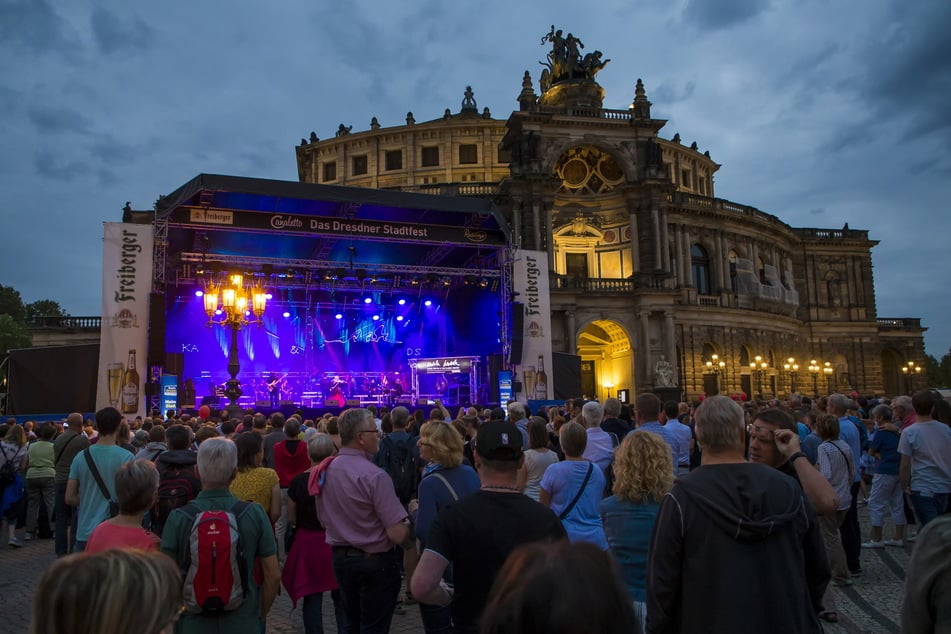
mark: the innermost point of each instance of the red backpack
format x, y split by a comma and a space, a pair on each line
215, 571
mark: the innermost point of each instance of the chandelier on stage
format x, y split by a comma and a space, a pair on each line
233, 304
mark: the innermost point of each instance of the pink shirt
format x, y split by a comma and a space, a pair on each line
107, 536
357, 503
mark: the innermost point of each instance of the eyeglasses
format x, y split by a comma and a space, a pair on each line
370, 431
760, 433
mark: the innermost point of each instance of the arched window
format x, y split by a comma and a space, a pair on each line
700, 268
761, 268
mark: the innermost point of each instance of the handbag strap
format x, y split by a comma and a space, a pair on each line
95, 474
452, 491
584, 484
62, 449
848, 463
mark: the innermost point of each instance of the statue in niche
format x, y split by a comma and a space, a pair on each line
663, 373
833, 288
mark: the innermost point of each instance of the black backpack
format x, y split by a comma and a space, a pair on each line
177, 487
8, 472
400, 459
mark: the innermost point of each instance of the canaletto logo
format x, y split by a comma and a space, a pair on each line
534, 329
125, 318
286, 222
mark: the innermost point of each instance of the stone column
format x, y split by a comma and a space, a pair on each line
536, 224
664, 240
670, 346
687, 258
572, 335
643, 347
655, 218
517, 221
632, 213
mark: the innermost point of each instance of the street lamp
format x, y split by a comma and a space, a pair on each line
715, 366
814, 370
910, 369
828, 370
792, 369
233, 304
758, 369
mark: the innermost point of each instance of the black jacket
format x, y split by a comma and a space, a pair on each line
736, 548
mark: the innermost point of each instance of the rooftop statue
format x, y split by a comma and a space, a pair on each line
565, 61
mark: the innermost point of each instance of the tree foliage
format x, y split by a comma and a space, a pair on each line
45, 308
11, 303
13, 334
939, 372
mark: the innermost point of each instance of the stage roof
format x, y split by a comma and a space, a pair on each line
305, 232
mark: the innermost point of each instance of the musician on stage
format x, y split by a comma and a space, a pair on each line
274, 389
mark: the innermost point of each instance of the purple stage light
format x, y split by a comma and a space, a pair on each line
428, 302
338, 316
399, 318
268, 296
376, 318
367, 300
199, 294
402, 302
286, 314
218, 312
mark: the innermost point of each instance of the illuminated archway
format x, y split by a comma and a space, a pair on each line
607, 360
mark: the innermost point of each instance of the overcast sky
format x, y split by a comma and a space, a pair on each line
821, 112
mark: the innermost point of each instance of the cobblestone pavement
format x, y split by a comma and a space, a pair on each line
872, 604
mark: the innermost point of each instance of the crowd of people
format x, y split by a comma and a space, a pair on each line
584, 517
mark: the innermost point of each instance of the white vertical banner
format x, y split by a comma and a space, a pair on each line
530, 281
126, 282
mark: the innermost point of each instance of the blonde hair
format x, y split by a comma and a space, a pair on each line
444, 441
643, 468
88, 593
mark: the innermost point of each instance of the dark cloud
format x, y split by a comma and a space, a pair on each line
669, 94
34, 25
52, 119
721, 14
51, 165
817, 211
111, 151
114, 34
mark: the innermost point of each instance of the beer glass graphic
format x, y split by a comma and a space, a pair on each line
528, 378
114, 376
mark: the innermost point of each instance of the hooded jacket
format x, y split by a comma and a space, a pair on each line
736, 548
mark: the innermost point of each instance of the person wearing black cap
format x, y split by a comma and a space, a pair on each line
477, 533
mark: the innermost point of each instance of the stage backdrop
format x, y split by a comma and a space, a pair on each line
530, 281
126, 282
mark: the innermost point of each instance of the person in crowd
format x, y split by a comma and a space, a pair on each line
925, 467
124, 437
573, 488
647, 413
851, 432
837, 465
750, 524
445, 481
925, 608
204, 433
668, 418
83, 489
643, 476
254, 482
769, 444
518, 415
217, 467
13, 450
612, 422
66, 446
176, 465
478, 532
538, 457
810, 444
886, 495
599, 444
365, 521
40, 473
259, 424
290, 459
156, 445
559, 588
308, 571
103, 592
136, 490
942, 411
274, 436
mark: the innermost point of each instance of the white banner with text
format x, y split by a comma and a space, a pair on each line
530, 281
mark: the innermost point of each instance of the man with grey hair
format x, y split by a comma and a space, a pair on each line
217, 466
601, 444
612, 423
745, 520
902, 411
519, 416
365, 521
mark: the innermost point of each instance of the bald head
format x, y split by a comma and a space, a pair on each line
75, 421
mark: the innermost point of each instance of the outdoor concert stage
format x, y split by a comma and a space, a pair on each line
375, 296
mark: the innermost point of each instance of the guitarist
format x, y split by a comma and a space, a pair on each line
274, 389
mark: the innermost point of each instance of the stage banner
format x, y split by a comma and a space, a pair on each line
530, 281
126, 282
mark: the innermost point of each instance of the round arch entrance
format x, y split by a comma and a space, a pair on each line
607, 360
